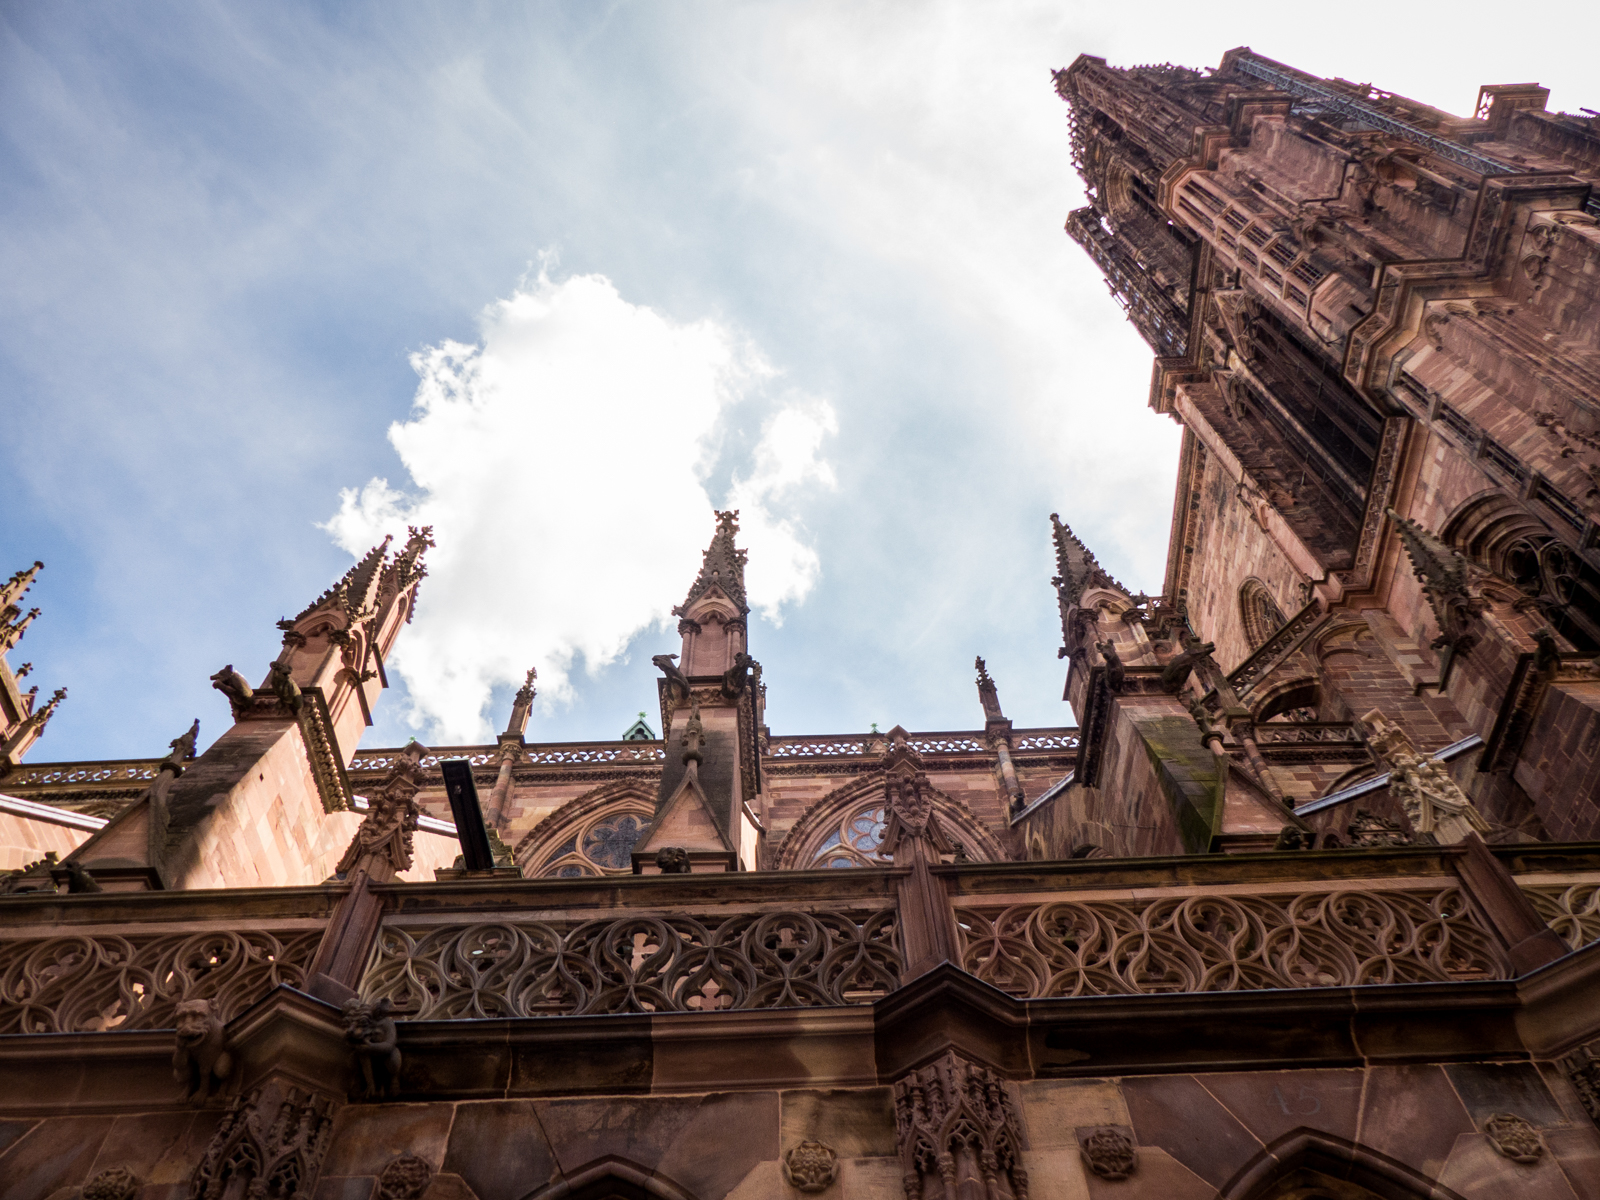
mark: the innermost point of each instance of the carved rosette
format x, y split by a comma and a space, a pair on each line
1514, 1137
1108, 1150
957, 1129
405, 1178
118, 1183
810, 1166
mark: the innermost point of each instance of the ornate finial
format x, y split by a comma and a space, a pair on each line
11, 632
24, 670
11, 591
722, 566
1433, 801
988, 693
520, 704
1446, 579
1077, 570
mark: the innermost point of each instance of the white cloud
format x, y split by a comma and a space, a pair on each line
562, 463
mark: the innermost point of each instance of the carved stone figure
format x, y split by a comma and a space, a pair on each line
667, 665
382, 845
118, 1183
1108, 1150
736, 677
673, 860
956, 1121
694, 738
1434, 803
234, 686
405, 1178
286, 689
201, 1058
810, 1166
1514, 1137
1116, 673
1176, 673
373, 1036
182, 750
1292, 837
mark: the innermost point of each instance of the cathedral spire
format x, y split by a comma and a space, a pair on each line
1446, 579
356, 588
11, 591
723, 566
1076, 568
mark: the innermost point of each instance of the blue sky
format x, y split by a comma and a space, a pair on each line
650, 258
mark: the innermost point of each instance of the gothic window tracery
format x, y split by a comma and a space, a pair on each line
599, 843
1260, 612
855, 839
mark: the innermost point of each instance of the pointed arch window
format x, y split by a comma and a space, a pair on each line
1260, 613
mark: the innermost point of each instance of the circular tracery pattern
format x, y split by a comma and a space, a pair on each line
855, 841
603, 845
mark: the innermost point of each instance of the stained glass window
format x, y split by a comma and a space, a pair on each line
601, 845
855, 840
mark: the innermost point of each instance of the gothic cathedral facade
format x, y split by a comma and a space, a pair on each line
1305, 905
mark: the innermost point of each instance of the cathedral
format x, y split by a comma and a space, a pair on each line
1305, 906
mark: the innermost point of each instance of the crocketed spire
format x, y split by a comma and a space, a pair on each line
723, 566
1076, 568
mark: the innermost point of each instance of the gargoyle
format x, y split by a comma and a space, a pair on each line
1116, 674
672, 860
372, 1034
286, 689
737, 676
1176, 673
201, 1057
669, 668
234, 686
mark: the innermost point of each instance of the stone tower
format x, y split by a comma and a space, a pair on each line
1379, 325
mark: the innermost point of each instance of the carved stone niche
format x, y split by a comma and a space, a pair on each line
268, 1146
1108, 1150
957, 1129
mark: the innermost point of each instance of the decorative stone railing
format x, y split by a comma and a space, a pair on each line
1213, 941
1572, 910
1285, 733
555, 754
514, 948
644, 963
79, 774
95, 982
926, 744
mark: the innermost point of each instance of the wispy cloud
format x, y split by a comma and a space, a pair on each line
562, 461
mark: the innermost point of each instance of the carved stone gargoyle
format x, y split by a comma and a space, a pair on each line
201, 1058
1176, 673
286, 689
234, 686
673, 860
373, 1037
675, 677
1116, 673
